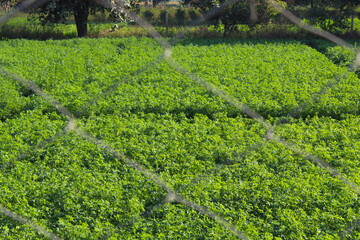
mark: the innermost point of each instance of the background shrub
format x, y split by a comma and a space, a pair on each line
148, 15
180, 17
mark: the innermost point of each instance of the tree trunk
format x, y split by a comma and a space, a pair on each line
253, 11
81, 13
290, 2
352, 24
231, 29
226, 30
156, 2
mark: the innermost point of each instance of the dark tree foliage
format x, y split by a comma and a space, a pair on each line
57, 11
339, 4
331, 14
229, 12
156, 2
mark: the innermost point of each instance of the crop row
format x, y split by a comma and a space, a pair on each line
224, 164
275, 78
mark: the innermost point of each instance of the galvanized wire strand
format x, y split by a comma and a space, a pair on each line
21, 6
212, 12
36, 89
316, 160
295, 112
350, 229
78, 113
212, 215
41, 145
320, 32
37, 227
127, 160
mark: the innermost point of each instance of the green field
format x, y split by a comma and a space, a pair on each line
125, 94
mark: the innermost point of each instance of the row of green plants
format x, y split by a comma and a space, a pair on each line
126, 95
340, 55
263, 74
81, 192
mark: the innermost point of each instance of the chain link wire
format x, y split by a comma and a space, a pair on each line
172, 196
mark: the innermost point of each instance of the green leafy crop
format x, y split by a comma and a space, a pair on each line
125, 94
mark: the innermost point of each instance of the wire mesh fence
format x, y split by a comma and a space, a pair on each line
269, 133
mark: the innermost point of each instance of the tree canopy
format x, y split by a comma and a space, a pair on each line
229, 12
330, 14
57, 11
327, 14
